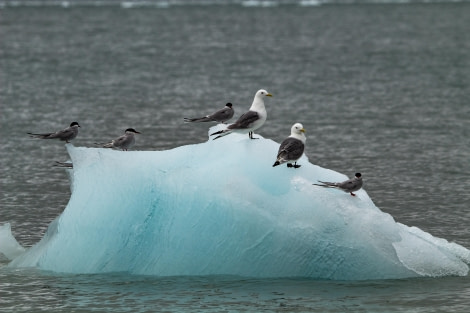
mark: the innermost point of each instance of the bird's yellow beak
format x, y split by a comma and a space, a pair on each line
303, 130
269, 95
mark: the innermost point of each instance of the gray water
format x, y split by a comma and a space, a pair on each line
381, 89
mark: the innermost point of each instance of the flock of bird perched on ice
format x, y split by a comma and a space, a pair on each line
290, 150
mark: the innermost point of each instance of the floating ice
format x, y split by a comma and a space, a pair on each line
8, 244
220, 207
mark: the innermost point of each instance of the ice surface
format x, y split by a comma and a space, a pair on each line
220, 207
8, 244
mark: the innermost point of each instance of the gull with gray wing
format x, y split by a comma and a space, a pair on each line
292, 148
249, 121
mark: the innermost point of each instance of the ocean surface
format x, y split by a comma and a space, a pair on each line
382, 89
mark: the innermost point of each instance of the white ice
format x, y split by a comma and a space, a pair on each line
220, 207
8, 244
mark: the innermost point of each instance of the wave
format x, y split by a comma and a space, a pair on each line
169, 3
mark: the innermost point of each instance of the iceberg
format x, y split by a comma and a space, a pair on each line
9, 247
219, 207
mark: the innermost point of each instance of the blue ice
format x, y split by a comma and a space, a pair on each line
219, 207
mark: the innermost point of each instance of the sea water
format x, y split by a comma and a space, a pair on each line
381, 89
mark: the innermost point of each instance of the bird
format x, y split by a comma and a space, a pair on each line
350, 185
66, 134
292, 148
123, 142
251, 120
220, 116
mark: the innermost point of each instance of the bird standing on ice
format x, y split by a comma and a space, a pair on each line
292, 148
66, 134
251, 120
350, 185
123, 142
220, 116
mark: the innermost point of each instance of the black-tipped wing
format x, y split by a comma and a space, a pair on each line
290, 149
245, 121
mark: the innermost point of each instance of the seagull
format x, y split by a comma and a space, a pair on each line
65, 135
292, 148
350, 185
221, 116
123, 142
251, 120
